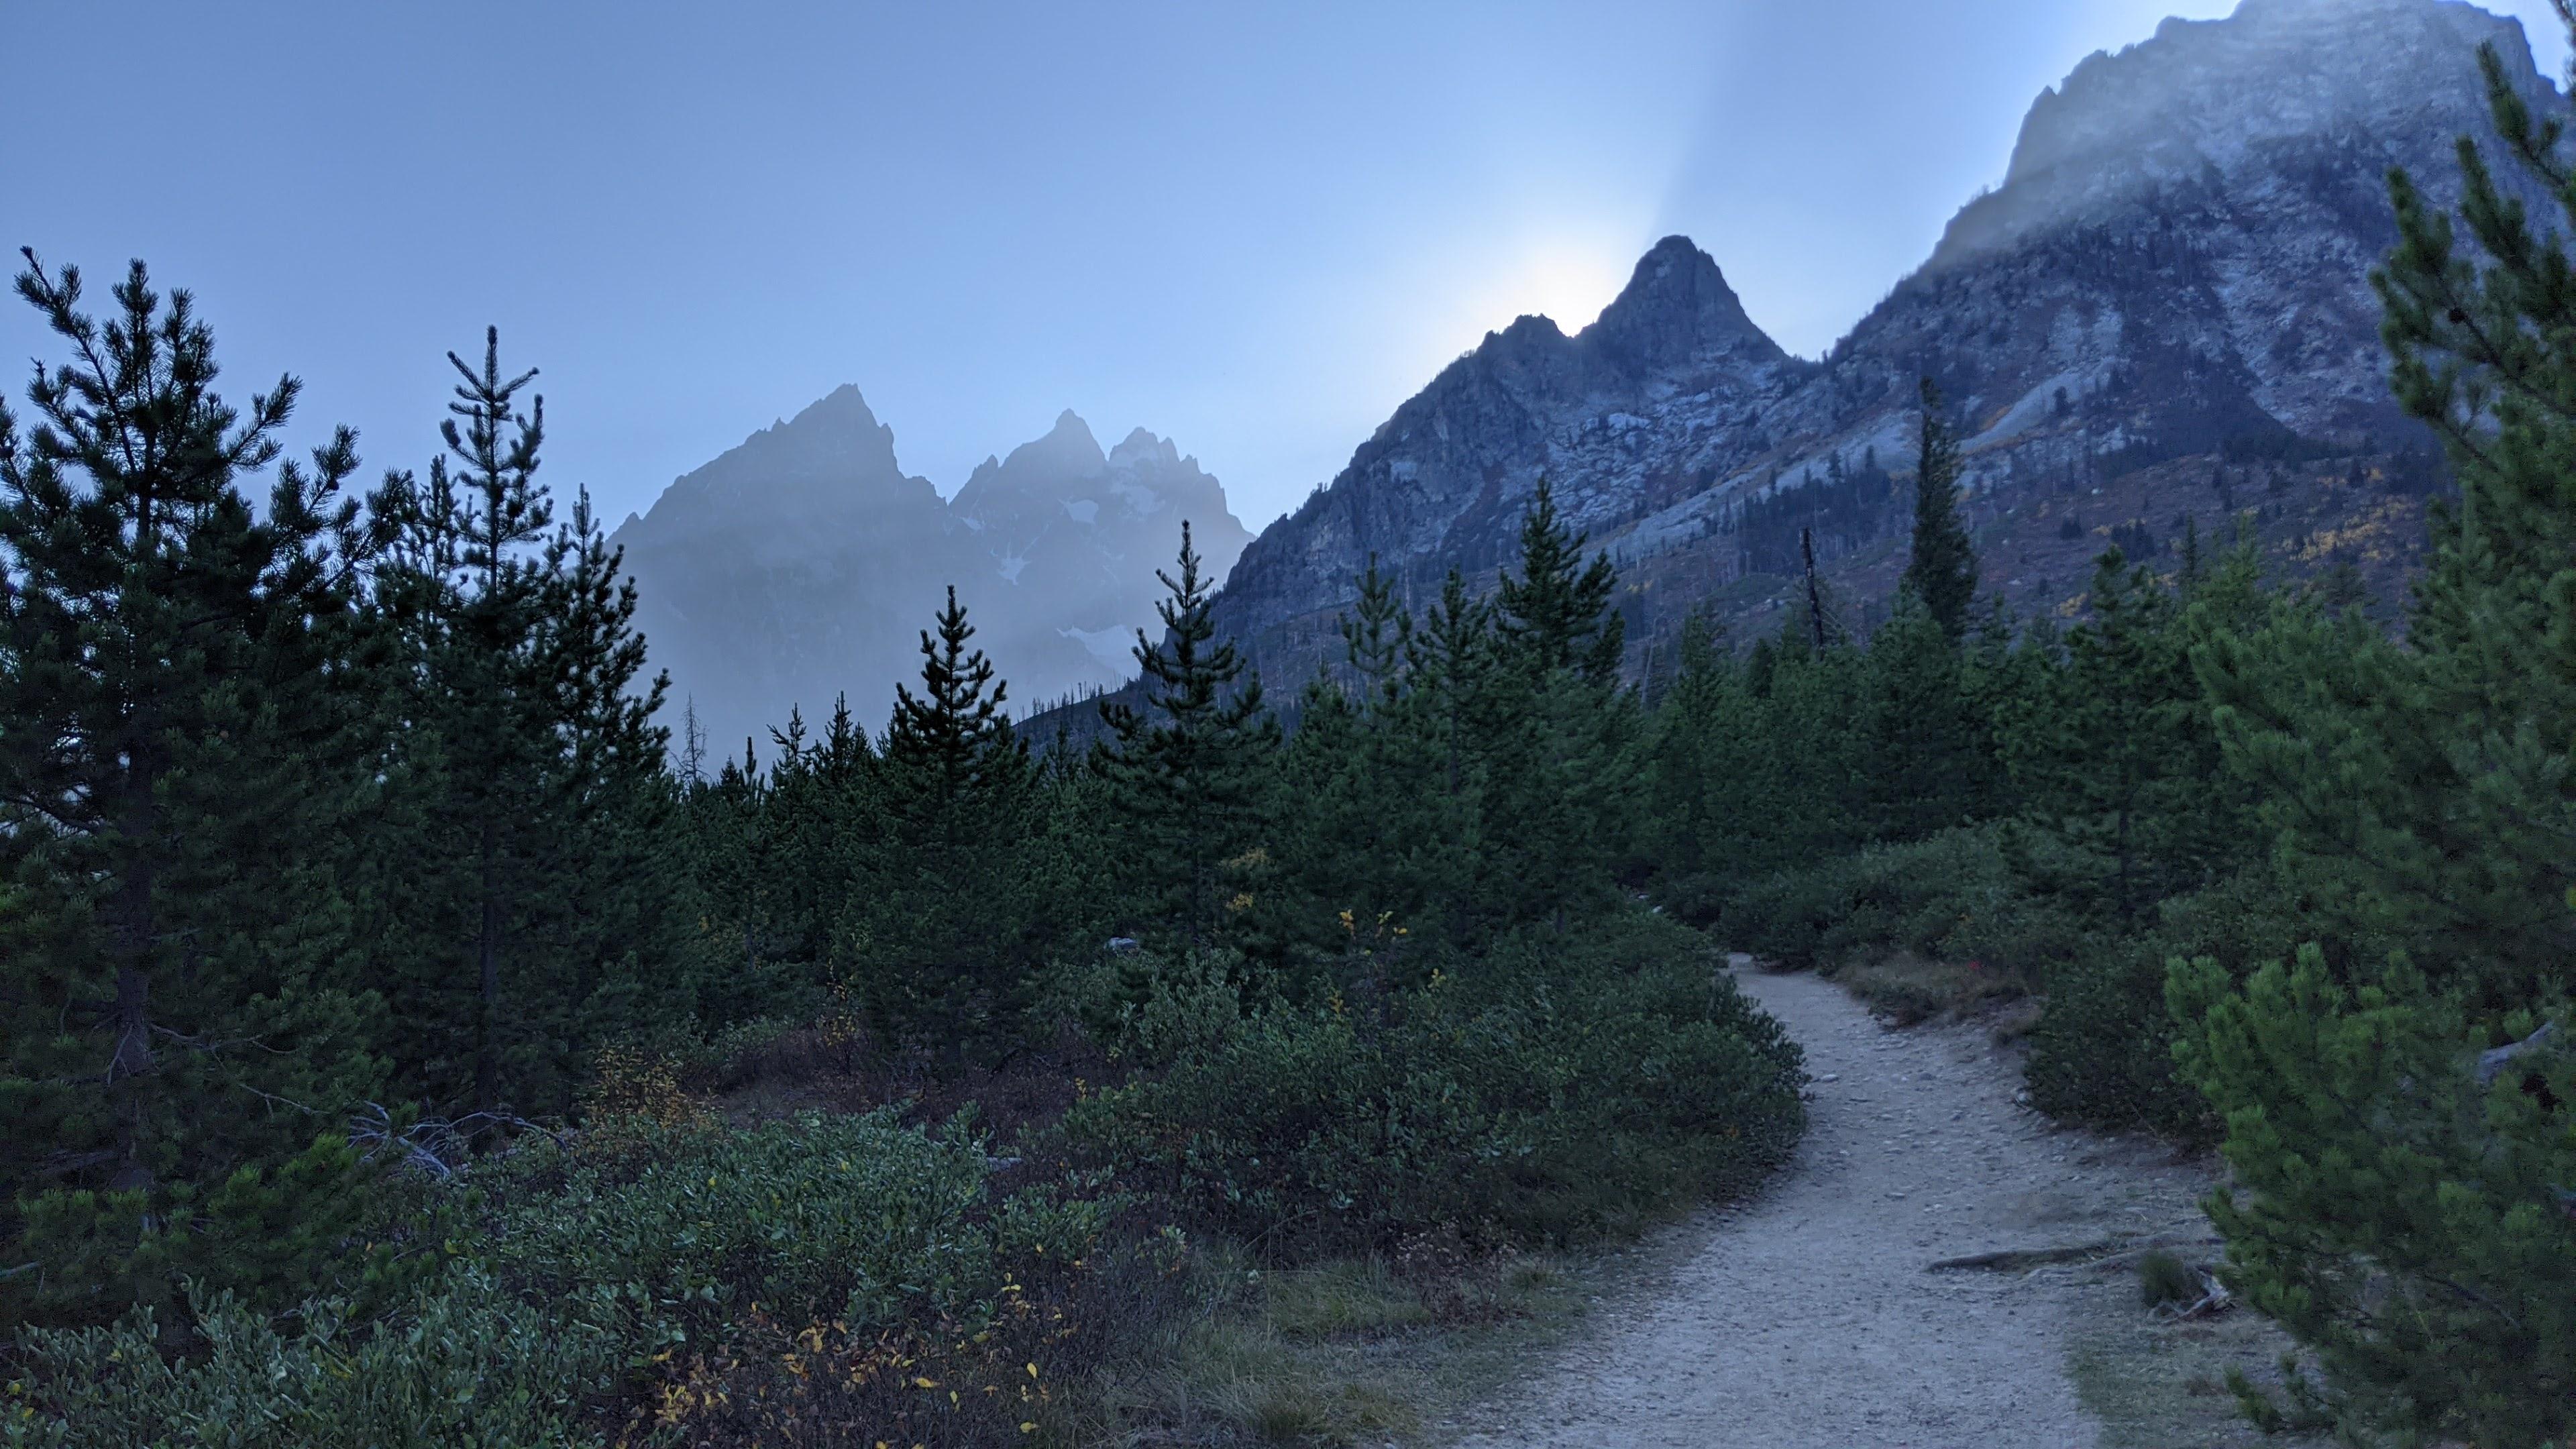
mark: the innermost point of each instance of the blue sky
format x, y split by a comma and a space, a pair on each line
1253, 229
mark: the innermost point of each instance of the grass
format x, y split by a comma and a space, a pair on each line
1906, 990
1354, 1351
2161, 1385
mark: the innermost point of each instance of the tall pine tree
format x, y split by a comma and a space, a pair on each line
1189, 772
180, 746
1942, 572
959, 794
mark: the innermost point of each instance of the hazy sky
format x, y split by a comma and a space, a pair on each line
1253, 230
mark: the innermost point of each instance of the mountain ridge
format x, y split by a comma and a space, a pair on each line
798, 567
2176, 266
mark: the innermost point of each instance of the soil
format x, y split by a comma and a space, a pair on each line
1812, 1316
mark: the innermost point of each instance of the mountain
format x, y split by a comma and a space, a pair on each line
802, 565
2165, 302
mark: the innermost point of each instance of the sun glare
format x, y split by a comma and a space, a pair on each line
1567, 283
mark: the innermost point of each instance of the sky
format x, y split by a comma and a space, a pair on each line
1252, 229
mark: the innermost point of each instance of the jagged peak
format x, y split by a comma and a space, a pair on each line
810, 462
1142, 446
1677, 306
1067, 448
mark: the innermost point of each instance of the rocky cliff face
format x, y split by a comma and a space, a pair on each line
802, 565
2176, 266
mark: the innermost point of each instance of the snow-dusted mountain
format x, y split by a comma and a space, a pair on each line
803, 564
2175, 267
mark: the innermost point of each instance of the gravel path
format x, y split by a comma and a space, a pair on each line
1807, 1319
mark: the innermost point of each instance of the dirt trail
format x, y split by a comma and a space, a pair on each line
1807, 1316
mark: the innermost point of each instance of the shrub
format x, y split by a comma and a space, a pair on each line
1565, 1086
2165, 1280
468, 1364
858, 1218
1956, 896
1024, 1364
2400, 1206
677, 1249
2103, 1051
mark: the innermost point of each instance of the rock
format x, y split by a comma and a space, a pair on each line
2491, 1064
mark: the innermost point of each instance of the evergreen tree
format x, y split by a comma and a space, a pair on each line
959, 792
1943, 569
621, 903
473, 584
2122, 765
1376, 641
2401, 1210
180, 746
1188, 773
1557, 614
1927, 732
527, 782
1370, 834
1559, 752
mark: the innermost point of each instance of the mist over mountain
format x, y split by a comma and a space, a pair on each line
801, 566
2160, 321
2176, 267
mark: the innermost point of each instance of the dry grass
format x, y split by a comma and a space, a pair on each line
1906, 990
1358, 1351
2158, 1384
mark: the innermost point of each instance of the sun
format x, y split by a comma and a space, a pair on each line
1566, 281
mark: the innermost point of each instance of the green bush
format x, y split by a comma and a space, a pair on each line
586, 1266
1564, 1086
2165, 1281
856, 1218
2103, 1051
468, 1364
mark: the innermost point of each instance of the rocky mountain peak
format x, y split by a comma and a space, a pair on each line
2217, 99
836, 435
828, 464
1066, 451
1677, 308
1141, 449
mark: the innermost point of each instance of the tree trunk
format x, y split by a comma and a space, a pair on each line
133, 931
487, 1048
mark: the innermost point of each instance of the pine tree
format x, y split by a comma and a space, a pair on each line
1372, 840
1189, 784
2399, 1209
181, 749
1557, 614
620, 903
473, 585
1560, 736
528, 786
1376, 640
1927, 733
959, 796
1943, 569
2122, 765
